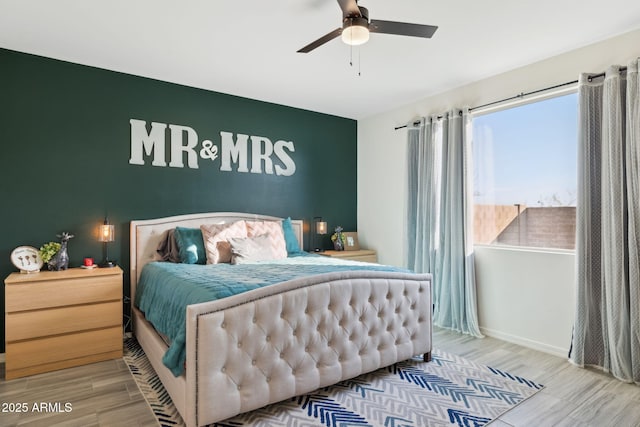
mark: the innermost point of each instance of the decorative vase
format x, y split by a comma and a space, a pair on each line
338, 243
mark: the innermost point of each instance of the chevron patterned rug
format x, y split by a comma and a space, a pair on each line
448, 391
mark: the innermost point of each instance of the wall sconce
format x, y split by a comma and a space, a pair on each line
106, 235
319, 229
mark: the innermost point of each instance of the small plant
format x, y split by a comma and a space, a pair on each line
338, 232
49, 250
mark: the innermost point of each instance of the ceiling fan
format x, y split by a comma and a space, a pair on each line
356, 27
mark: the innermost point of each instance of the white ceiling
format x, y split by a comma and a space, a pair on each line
248, 48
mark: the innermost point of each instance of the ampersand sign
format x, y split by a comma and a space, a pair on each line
209, 151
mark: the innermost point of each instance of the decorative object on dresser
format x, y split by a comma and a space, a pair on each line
320, 229
106, 235
338, 239
365, 255
351, 241
60, 261
55, 320
27, 259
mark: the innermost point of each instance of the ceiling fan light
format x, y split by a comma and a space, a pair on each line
355, 35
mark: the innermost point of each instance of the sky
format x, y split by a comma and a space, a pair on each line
528, 154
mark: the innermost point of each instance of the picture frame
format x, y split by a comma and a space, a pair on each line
351, 241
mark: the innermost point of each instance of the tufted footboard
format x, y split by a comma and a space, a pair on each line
276, 342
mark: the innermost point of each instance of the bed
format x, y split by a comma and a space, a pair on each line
267, 344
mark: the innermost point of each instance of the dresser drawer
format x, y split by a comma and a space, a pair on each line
54, 321
63, 292
364, 258
23, 354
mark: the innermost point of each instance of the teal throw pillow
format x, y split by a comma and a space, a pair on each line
290, 239
190, 245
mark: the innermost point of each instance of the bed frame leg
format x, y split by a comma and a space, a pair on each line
427, 357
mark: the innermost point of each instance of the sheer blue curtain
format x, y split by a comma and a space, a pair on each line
439, 239
607, 324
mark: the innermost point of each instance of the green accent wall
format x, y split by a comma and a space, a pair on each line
66, 143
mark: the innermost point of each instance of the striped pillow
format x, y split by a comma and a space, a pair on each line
216, 240
273, 229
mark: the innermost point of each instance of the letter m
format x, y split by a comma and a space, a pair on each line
147, 143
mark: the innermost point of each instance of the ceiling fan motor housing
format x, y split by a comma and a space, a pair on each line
357, 20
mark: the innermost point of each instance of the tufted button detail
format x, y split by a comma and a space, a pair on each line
253, 362
268, 338
239, 344
413, 306
224, 369
224, 325
306, 349
255, 320
268, 379
239, 387
389, 295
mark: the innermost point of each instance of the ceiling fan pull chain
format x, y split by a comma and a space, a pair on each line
351, 46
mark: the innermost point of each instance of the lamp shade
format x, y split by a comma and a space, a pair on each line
321, 227
106, 232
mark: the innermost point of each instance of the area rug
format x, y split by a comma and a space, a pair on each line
448, 391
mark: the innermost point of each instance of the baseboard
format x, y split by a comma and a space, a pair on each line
2, 358
534, 345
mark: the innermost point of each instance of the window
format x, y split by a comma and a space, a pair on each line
525, 174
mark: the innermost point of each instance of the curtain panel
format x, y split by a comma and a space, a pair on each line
439, 217
607, 323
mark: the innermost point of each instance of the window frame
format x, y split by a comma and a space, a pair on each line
521, 100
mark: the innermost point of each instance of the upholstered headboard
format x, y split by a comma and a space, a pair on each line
146, 234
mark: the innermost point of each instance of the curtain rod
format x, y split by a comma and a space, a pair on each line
523, 94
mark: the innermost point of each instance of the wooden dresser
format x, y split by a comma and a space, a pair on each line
359, 255
59, 319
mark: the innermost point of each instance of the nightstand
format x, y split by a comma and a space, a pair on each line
60, 319
359, 255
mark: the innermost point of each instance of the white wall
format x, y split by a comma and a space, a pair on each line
540, 314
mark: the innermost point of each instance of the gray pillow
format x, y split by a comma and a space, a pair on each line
168, 247
251, 249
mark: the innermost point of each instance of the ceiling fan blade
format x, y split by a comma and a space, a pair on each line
402, 28
322, 40
349, 8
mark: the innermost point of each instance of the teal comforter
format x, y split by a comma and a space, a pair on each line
166, 289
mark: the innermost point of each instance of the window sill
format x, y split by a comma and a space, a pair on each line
532, 249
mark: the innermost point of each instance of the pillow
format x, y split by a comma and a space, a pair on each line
190, 245
216, 238
290, 239
168, 249
273, 229
251, 249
